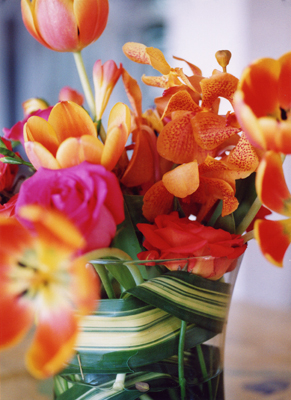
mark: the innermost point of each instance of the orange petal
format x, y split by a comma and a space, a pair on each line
157, 201
248, 121
210, 130
271, 185
277, 134
176, 141
183, 180
133, 92
74, 151
274, 238
70, 120
39, 130
220, 84
181, 101
194, 69
53, 227
259, 84
39, 156
158, 61
141, 166
136, 52
53, 344
284, 89
119, 125
16, 318
157, 81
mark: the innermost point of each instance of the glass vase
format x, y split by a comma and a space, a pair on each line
163, 339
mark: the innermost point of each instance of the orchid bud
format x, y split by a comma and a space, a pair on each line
63, 25
104, 78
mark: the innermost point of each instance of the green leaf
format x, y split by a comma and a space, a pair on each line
15, 160
246, 195
125, 334
226, 223
188, 297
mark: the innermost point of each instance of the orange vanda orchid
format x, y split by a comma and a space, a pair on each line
43, 284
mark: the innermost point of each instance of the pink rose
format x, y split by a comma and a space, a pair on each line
171, 237
87, 193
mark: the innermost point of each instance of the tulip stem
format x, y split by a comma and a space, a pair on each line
250, 215
182, 380
85, 83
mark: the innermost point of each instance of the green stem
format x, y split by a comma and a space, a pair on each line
204, 370
135, 272
182, 380
102, 272
85, 83
250, 215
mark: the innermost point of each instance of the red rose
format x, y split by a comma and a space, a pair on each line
171, 237
87, 193
7, 171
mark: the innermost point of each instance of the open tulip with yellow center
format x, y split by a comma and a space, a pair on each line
42, 284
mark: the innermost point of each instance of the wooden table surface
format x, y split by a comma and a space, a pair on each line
257, 359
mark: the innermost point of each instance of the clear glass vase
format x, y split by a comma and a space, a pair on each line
163, 339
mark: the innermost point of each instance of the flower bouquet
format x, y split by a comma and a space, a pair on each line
120, 246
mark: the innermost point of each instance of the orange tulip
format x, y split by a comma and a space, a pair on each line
69, 137
41, 283
65, 25
262, 103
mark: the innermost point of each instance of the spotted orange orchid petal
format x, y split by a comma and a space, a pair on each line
182, 180
158, 61
220, 84
73, 151
274, 238
194, 68
68, 119
39, 130
156, 81
210, 130
141, 166
176, 141
284, 84
243, 158
191, 83
271, 185
53, 344
181, 101
39, 156
133, 92
157, 201
136, 52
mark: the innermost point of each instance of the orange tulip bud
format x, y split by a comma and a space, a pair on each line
69, 94
65, 25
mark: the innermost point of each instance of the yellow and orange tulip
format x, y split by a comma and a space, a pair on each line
69, 137
65, 25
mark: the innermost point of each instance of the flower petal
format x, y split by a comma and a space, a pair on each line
54, 342
183, 180
157, 201
39, 130
70, 120
274, 238
271, 185
39, 156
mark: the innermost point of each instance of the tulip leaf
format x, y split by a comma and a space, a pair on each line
188, 297
246, 195
15, 160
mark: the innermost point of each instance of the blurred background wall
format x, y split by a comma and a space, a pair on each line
191, 29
